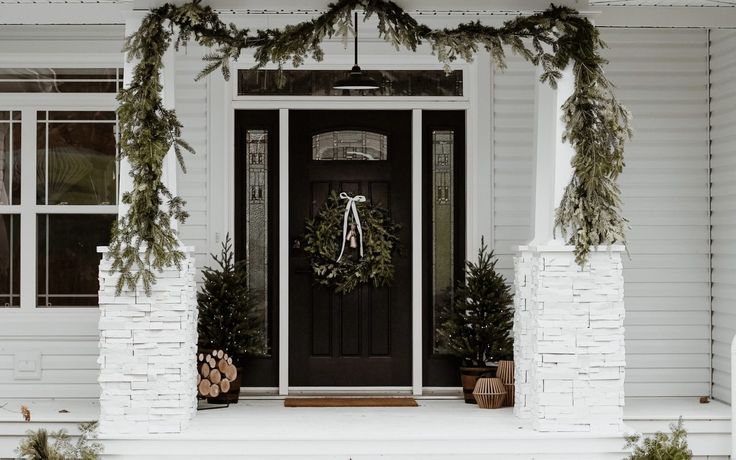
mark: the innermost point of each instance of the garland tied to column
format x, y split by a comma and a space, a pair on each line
596, 124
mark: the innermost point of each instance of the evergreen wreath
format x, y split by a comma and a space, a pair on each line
323, 239
596, 124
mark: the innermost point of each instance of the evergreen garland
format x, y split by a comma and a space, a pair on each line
476, 325
323, 240
597, 125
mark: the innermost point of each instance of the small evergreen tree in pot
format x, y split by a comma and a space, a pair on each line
476, 325
228, 316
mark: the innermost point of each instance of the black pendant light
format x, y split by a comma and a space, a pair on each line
356, 80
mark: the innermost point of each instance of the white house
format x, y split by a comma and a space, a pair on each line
659, 342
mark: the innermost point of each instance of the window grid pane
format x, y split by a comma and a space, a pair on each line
67, 259
443, 210
257, 221
9, 260
76, 158
10, 163
60, 80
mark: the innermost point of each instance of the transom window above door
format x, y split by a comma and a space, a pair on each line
349, 145
392, 82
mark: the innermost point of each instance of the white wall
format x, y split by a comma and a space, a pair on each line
193, 186
661, 75
66, 338
723, 205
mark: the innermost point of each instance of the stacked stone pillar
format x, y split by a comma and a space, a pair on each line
148, 346
569, 340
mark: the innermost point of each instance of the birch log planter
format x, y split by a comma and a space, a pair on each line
217, 377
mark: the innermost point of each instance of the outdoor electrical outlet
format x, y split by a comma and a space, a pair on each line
27, 365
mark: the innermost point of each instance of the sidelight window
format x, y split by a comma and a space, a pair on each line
443, 210
256, 211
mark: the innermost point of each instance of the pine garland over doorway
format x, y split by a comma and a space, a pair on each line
596, 124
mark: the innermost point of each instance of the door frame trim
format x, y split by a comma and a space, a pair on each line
221, 96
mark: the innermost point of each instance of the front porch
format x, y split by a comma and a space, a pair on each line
438, 428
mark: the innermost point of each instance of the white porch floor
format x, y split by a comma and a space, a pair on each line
438, 429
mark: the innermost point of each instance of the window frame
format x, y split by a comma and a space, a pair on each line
28, 210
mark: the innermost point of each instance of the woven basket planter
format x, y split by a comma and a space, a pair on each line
490, 393
506, 374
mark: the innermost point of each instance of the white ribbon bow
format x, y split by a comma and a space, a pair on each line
350, 206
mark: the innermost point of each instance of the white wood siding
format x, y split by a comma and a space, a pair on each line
191, 107
513, 152
66, 338
723, 205
661, 76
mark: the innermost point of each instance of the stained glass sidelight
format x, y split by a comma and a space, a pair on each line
443, 209
349, 145
257, 219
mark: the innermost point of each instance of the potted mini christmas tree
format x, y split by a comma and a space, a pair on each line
229, 322
476, 325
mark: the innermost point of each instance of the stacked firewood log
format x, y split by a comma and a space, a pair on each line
216, 373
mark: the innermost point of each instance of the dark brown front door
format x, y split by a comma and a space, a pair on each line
362, 338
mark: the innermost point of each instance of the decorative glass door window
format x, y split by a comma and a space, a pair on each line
443, 210
256, 209
349, 145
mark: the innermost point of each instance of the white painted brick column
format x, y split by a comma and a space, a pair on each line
148, 344
569, 339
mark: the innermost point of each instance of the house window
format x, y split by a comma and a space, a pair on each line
66, 215
76, 166
349, 145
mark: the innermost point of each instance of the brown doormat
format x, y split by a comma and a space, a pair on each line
350, 402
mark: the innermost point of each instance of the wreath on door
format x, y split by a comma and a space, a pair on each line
351, 242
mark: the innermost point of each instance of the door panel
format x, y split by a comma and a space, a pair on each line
362, 338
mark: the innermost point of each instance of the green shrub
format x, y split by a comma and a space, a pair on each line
476, 325
228, 316
661, 446
38, 445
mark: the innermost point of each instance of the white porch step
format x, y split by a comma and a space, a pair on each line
437, 430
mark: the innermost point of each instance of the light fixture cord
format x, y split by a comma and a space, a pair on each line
355, 24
